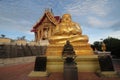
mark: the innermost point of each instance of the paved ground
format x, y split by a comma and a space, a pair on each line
21, 71
16, 72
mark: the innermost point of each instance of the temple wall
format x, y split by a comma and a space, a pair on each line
13, 51
11, 54
5, 40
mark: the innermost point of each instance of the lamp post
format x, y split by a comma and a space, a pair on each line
101, 42
109, 42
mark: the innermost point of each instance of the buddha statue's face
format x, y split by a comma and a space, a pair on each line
66, 18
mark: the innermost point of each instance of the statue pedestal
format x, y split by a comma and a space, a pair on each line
85, 58
85, 63
106, 65
38, 74
80, 49
107, 73
40, 67
54, 64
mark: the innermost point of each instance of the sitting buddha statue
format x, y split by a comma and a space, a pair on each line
67, 30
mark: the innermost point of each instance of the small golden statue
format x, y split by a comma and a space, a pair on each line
67, 30
103, 47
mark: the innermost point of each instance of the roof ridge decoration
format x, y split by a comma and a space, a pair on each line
51, 17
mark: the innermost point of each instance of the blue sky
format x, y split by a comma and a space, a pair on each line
97, 18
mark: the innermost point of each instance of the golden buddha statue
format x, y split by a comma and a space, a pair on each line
67, 30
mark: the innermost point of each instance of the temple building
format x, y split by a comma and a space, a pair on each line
43, 29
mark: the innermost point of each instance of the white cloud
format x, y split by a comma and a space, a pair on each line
29, 32
18, 25
115, 34
96, 22
7, 20
13, 21
98, 7
93, 21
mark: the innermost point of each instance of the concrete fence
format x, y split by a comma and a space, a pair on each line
13, 51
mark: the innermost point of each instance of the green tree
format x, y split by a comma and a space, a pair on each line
97, 45
2, 35
112, 45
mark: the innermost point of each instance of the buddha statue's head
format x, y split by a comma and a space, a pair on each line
66, 18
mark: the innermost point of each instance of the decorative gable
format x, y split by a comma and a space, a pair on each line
44, 27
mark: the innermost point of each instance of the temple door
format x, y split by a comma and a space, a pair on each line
45, 33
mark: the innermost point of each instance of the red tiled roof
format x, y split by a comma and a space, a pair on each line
57, 18
38, 23
33, 30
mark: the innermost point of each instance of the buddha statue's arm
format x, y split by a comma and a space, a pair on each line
78, 28
56, 30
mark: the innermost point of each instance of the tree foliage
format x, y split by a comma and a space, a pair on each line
21, 38
3, 36
112, 45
